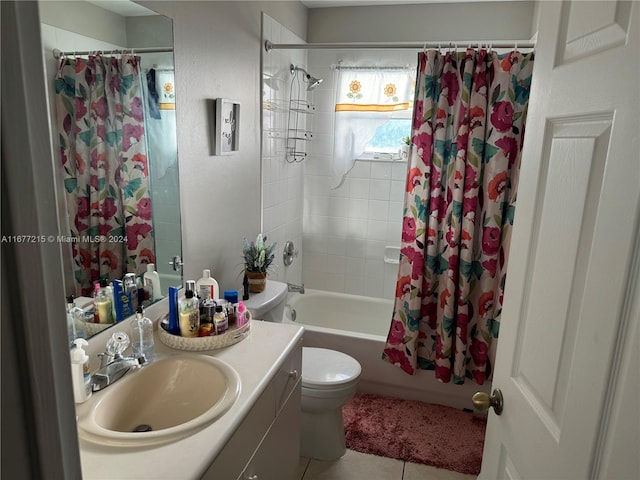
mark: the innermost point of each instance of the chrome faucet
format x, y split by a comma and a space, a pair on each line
113, 365
295, 288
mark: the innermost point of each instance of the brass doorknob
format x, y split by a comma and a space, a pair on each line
482, 401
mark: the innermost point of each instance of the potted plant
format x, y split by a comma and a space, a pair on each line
258, 257
404, 149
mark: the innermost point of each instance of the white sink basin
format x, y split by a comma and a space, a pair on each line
173, 397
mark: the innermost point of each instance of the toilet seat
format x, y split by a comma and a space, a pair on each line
324, 369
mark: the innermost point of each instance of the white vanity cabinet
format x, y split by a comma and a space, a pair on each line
266, 444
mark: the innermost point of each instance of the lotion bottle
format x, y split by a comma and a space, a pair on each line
207, 287
152, 281
80, 375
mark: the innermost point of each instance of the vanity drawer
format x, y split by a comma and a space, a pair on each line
288, 375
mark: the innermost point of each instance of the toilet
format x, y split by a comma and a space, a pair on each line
329, 380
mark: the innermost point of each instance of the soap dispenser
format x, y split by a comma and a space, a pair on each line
142, 336
80, 376
75, 321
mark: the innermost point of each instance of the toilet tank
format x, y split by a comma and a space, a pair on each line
269, 304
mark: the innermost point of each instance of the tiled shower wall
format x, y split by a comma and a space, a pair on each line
347, 231
282, 182
344, 233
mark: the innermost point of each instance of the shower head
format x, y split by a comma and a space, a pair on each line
313, 82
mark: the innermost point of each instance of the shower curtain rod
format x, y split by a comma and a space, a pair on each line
57, 53
268, 46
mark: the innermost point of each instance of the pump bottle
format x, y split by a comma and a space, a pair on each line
75, 321
189, 315
142, 336
80, 375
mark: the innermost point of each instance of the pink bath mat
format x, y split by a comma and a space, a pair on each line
417, 432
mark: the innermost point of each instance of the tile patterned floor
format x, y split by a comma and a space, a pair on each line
362, 466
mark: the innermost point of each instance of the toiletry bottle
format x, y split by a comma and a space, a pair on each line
231, 296
80, 375
245, 288
220, 320
142, 335
75, 321
191, 285
104, 303
207, 287
241, 318
142, 294
152, 282
174, 321
189, 315
96, 316
122, 300
207, 312
131, 290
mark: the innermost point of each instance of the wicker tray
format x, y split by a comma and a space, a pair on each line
197, 344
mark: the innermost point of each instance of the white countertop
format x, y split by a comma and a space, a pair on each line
256, 359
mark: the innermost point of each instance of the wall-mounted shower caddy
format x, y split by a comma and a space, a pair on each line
298, 128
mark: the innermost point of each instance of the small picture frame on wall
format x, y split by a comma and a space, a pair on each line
227, 126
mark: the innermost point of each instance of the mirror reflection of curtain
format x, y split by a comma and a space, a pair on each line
100, 120
365, 100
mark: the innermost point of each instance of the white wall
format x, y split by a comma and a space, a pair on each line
444, 21
72, 16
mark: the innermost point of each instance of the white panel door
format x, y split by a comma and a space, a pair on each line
572, 248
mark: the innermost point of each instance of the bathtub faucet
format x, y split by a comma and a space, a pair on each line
295, 288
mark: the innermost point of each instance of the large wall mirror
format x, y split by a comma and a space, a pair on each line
113, 126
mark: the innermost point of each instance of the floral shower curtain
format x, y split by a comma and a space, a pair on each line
468, 128
100, 120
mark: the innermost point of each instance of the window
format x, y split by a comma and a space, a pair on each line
389, 136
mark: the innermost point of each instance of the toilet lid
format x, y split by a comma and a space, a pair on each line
322, 368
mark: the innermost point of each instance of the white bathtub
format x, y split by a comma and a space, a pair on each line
358, 326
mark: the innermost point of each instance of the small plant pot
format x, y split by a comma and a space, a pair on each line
257, 281
404, 152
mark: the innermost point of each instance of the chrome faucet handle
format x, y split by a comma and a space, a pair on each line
117, 343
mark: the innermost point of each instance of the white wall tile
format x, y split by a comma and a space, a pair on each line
359, 188
375, 250
381, 170
378, 210
399, 171
336, 245
358, 208
380, 189
355, 266
357, 228
361, 170
395, 211
338, 206
377, 230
